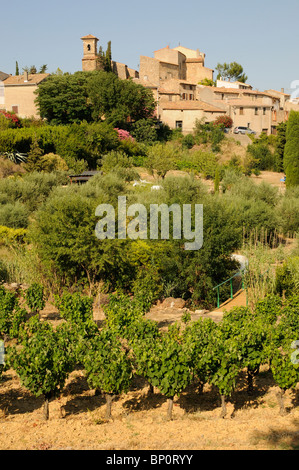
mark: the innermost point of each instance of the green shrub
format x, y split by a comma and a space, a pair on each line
12, 235
188, 141
287, 277
14, 215
75, 308
35, 298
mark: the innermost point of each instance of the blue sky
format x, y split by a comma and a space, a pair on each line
260, 35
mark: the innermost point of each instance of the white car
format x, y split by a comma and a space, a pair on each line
243, 130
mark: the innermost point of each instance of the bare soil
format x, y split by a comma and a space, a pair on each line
77, 419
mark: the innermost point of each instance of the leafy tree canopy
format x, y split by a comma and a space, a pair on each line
93, 96
231, 72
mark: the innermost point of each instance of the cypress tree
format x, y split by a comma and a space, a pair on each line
108, 67
291, 152
280, 145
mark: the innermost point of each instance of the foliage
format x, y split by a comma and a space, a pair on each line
63, 99
16, 157
35, 298
107, 366
12, 315
9, 168
123, 134
225, 121
287, 277
288, 212
165, 362
120, 163
161, 159
79, 144
118, 101
26, 194
42, 363
207, 82
34, 157
261, 157
291, 155
199, 162
11, 236
121, 312
144, 130
75, 308
209, 133
280, 146
231, 72
14, 215
188, 141
12, 119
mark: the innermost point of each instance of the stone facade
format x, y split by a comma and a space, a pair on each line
19, 94
179, 63
91, 59
183, 114
262, 111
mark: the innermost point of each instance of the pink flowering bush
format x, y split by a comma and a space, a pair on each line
124, 135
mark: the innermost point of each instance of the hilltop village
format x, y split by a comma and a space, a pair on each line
177, 79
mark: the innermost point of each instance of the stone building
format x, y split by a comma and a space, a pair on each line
19, 93
183, 114
262, 111
179, 63
3, 76
91, 59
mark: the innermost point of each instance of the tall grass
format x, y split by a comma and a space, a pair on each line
263, 260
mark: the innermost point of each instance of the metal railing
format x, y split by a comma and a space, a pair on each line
238, 274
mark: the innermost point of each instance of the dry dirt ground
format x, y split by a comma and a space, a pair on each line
77, 420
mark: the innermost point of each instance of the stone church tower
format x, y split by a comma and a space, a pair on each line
90, 59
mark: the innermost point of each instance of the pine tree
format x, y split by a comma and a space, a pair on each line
43, 68
17, 69
291, 152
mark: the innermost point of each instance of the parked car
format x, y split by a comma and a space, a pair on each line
243, 130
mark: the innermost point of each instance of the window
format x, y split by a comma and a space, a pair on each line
264, 111
179, 124
88, 47
15, 109
241, 111
256, 111
170, 97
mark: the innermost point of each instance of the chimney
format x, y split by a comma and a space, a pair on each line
282, 90
25, 76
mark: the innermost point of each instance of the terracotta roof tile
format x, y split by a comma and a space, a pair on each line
89, 36
33, 79
192, 105
247, 103
3, 76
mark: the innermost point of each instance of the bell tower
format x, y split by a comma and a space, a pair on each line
90, 59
